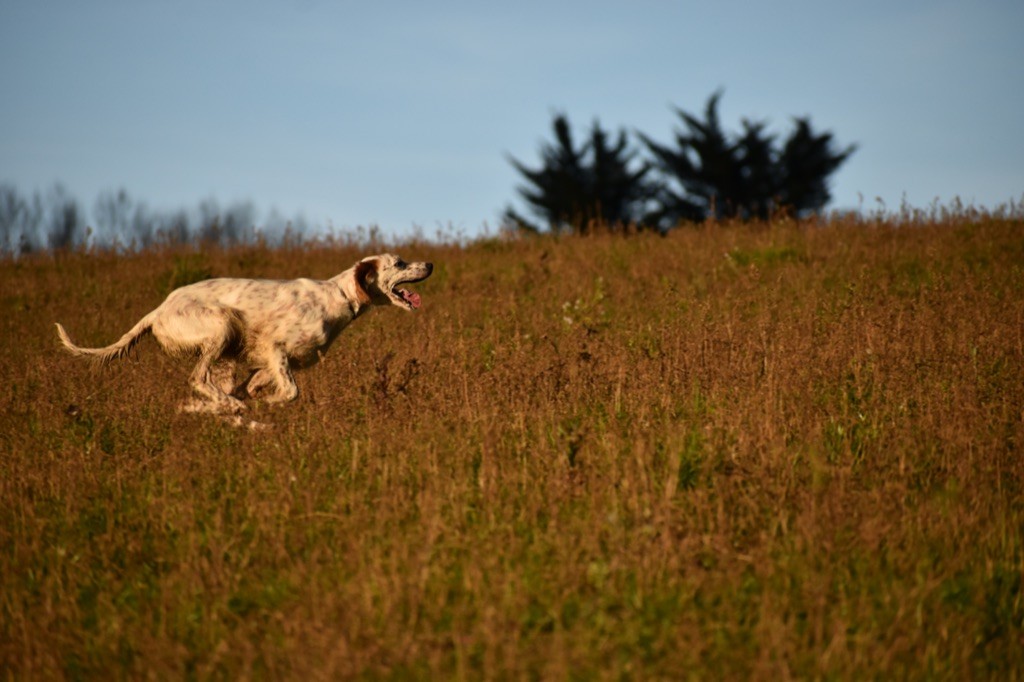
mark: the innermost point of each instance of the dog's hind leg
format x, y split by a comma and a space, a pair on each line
222, 374
210, 396
209, 330
225, 374
274, 382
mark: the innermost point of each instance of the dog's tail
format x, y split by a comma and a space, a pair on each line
115, 350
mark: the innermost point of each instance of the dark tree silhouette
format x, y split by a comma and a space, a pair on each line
806, 161
576, 188
66, 228
19, 221
746, 176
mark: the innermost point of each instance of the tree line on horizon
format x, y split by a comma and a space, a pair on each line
55, 220
705, 173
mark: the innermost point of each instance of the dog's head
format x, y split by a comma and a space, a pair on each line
382, 277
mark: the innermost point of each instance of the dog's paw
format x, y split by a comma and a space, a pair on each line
248, 424
193, 406
199, 406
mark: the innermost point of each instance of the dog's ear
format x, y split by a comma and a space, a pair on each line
366, 276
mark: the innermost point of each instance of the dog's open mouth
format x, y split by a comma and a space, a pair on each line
410, 299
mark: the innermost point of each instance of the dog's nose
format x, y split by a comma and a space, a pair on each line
430, 268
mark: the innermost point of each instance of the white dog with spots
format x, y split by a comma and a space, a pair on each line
265, 327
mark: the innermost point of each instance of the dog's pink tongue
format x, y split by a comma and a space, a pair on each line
412, 297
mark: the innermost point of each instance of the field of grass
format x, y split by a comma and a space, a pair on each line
735, 452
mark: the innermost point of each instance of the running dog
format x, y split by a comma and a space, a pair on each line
265, 327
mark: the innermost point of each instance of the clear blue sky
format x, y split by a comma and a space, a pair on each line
402, 113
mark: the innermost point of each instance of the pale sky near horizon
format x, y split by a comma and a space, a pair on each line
403, 114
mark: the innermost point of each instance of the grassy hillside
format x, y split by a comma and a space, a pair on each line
737, 452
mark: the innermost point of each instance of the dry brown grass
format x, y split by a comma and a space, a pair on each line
769, 452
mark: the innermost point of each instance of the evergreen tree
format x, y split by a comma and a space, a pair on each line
746, 176
576, 188
806, 162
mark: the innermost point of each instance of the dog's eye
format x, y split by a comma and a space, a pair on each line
400, 264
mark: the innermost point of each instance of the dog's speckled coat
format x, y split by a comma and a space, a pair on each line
267, 327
